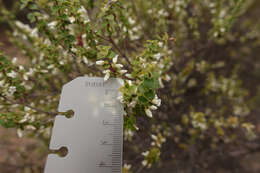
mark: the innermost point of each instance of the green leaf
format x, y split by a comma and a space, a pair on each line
31, 17
150, 94
142, 100
151, 83
129, 122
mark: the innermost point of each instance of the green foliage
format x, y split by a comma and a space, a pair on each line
180, 89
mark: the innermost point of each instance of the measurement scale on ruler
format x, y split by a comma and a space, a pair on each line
114, 127
94, 136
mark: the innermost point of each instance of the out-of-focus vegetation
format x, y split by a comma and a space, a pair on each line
190, 67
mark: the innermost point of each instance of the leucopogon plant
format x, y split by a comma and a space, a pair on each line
180, 94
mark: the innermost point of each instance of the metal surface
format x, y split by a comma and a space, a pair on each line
94, 135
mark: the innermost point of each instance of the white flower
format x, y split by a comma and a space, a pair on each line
131, 20
157, 56
167, 78
21, 68
44, 71
30, 127
52, 24
153, 107
145, 154
128, 75
137, 128
12, 74
128, 134
72, 19
144, 162
160, 44
2, 83
30, 72
161, 83
156, 101
122, 71
19, 133
132, 104
154, 137
100, 62
120, 98
119, 66
215, 34
149, 113
107, 76
14, 60
106, 71
51, 66
222, 29
26, 108
82, 10
115, 59
12, 90
25, 77
85, 60
127, 167
74, 49
34, 32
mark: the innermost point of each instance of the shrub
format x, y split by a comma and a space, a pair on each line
180, 61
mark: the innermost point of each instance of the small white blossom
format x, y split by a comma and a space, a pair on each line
115, 59
160, 44
19, 133
14, 60
145, 154
131, 20
122, 71
128, 75
132, 104
101, 62
21, 68
158, 56
127, 166
161, 83
149, 113
153, 107
12, 74
154, 137
74, 49
167, 78
85, 60
52, 24
128, 134
12, 90
51, 66
2, 82
156, 101
222, 29
34, 33
107, 76
120, 98
82, 10
30, 127
26, 108
144, 162
119, 66
25, 118
72, 19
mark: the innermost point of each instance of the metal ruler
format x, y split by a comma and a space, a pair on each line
94, 135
